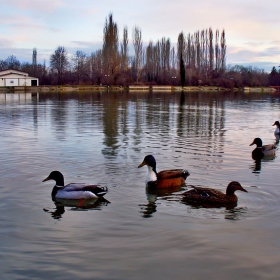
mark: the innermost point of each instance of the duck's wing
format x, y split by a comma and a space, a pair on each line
207, 192
267, 148
173, 173
82, 187
97, 190
74, 187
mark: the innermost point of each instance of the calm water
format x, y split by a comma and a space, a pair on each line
102, 138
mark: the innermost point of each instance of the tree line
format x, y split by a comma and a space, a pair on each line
197, 59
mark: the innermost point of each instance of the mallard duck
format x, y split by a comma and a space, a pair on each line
277, 130
163, 179
262, 150
213, 196
74, 190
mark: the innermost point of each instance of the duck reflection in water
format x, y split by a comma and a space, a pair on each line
257, 166
152, 196
277, 131
200, 197
197, 205
235, 213
76, 205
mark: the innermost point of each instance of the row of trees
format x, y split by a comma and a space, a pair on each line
198, 58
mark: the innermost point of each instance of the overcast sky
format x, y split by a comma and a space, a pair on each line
252, 27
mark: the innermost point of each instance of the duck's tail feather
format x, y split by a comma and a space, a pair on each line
101, 191
185, 173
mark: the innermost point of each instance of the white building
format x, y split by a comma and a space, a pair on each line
14, 78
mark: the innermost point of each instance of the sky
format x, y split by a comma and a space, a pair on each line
252, 27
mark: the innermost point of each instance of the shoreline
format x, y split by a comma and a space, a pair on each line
132, 88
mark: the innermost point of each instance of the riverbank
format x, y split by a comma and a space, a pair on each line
144, 88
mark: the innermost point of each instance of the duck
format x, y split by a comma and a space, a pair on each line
262, 150
277, 130
213, 196
164, 179
73, 190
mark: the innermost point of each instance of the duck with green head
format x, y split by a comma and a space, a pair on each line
73, 190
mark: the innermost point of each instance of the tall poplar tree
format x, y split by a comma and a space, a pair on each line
211, 51
181, 47
111, 58
223, 51
124, 50
138, 49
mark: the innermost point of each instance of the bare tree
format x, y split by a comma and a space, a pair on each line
79, 60
124, 51
217, 51
3, 65
95, 65
211, 51
12, 62
59, 63
138, 49
203, 53
149, 62
111, 57
223, 51
198, 51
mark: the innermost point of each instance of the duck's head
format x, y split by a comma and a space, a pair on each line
149, 161
277, 124
257, 141
234, 186
57, 177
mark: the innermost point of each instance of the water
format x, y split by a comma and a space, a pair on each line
101, 138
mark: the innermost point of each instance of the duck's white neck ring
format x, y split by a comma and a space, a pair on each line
152, 176
58, 186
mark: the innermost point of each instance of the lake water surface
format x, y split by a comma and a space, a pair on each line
101, 138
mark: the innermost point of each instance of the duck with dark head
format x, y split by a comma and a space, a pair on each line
262, 150
164, 179
73, 190
277, 129
213, 196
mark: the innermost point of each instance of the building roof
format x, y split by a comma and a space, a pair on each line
15, 72
12, 71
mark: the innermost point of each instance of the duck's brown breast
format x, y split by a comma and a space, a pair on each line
170, 183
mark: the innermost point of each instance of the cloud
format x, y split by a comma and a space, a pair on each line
88, 44
21, 24
261, 55
4, 43
35, 5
